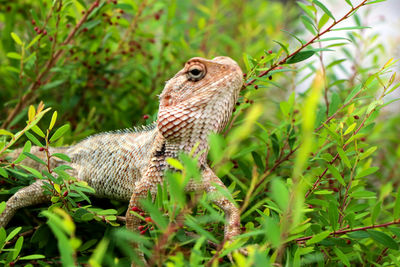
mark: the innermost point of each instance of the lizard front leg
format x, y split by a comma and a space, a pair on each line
27, 196
232, 214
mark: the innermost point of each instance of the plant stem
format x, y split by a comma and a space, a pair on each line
316, 37
345, 231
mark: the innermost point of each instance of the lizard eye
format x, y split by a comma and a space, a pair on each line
196, 72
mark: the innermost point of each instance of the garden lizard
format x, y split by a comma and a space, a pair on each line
126, 165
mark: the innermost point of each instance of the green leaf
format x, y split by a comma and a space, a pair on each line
3, 172
16, 38
351, 28
13, 233
396, 208
38, 131
175, 163
324, 19
308, 9
344, 157
33, 257
383, 238
5, 132
309, 24
35, 158
17, 247
284, 47
14, 55
349, 2
363, 194
324, 8
341, 256
59, 132
336, 174
350, 128
98, 254
318, 237
2, 207
376, 211
33, 139
333, 215
53, 120
33, 171
353, 93
61, 156
280, 193
34, 40
302, 55
22, 156
368, 152
366, 172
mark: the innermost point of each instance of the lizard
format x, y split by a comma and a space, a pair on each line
126, 165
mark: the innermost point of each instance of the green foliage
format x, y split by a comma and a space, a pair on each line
310, 156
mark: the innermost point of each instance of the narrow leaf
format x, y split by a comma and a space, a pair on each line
302, 55
16, 38
324, 8
59, 132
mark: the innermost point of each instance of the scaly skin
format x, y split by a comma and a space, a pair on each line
197, 101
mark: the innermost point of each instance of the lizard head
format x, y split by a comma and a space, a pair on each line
200, 98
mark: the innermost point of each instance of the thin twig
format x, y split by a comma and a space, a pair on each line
345, 231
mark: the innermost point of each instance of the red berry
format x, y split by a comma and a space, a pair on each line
269, 51
85, 29
12, 165
356, 117
83, 12
270, 77
44, 32
118, 17
33, 22
121, 11
363, 139
36, 28
362, 150
244, 75
143, 232
41, 148
39, 31
51, 39
148, 219
140, 227
142, 214
256, 86
65, 194
145, 117
348, 241
335, 189
134, 208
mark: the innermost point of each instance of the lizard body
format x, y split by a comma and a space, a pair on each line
197, 101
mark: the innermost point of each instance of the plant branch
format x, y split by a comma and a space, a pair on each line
345, 231
316, 37
29, 95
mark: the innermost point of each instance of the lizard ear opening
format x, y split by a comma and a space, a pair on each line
196, 72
